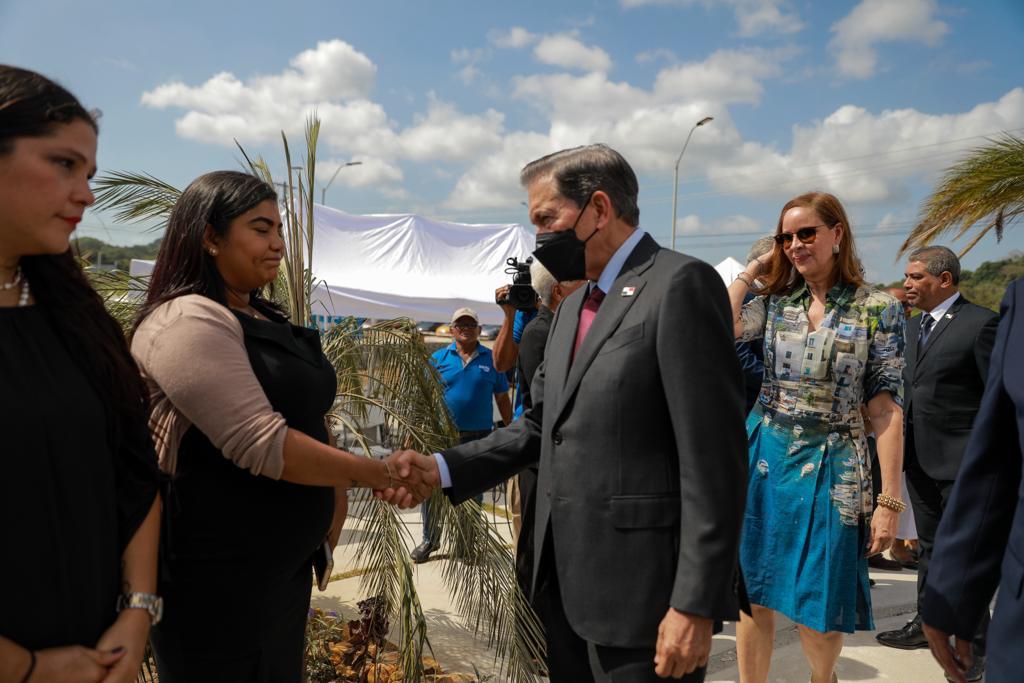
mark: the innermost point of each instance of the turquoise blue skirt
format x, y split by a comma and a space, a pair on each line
800, 556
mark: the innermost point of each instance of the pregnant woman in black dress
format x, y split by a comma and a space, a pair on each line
79, 515
239, 398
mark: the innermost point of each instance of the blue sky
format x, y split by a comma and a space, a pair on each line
443, 102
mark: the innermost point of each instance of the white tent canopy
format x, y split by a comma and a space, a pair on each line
389, 266
729, 269
386, 266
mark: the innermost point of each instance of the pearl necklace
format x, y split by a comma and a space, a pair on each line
15, 281
23, 299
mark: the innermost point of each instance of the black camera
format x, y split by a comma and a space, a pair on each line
520, 293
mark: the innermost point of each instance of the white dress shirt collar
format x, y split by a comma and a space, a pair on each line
614, 266
939, 311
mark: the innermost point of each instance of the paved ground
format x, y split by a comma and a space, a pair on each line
455, 647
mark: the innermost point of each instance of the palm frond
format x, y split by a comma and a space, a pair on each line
135, 197
122, 293
986, 186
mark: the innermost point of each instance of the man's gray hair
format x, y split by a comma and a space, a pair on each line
761, 247
938, 260
543, 282
581, 171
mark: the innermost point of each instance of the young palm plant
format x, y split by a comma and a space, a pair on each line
384, 369
985, 188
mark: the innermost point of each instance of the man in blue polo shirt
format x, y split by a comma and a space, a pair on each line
470, 381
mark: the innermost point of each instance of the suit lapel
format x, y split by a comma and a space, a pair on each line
939, 328
608, 317
563, 336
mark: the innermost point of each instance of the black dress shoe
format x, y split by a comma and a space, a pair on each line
910, 637
421, 553
879, 561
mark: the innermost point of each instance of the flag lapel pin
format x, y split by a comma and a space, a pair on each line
628, 291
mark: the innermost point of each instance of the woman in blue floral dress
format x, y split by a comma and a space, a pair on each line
833, 345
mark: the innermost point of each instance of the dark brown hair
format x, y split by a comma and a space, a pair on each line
780, 275
183, 266
31, 105
579, 172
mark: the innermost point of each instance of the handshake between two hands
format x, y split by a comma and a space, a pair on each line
413, 477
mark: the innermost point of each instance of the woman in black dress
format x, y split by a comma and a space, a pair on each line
239, 399
79, 513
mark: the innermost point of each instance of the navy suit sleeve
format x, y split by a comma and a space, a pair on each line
972, 537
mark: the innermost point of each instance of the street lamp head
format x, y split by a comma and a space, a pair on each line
706, 119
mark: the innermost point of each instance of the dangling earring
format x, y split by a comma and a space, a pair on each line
835, 248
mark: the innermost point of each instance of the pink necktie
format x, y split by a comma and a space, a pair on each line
590, 307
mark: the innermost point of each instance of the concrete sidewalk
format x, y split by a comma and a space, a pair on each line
457, 650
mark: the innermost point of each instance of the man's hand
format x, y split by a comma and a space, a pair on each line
415, 477
75, 663
501, 298
684, 644
955, 661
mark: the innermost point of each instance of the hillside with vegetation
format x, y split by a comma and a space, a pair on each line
98, 252
986, 285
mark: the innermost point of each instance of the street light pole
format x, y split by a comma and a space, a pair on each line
323, 192
675, 191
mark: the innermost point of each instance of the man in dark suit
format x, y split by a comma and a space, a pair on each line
980, 542
947, 356
637, 422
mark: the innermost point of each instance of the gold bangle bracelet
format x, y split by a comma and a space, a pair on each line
745, 280
894, 504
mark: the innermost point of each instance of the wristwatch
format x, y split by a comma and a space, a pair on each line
153, 604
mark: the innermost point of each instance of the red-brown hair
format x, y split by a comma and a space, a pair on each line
781, 276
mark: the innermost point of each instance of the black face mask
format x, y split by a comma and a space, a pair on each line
563, 253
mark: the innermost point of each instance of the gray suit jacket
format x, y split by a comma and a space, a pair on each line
642, 450
944, 384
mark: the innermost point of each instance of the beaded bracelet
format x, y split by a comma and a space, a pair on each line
894, 504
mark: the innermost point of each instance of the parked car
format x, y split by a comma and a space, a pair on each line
443, 331
427, 327
489, 331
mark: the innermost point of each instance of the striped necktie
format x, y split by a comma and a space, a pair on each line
927, 322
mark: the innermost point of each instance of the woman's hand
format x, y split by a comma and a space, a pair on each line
757, 266
884, 523
74, 664
129, 631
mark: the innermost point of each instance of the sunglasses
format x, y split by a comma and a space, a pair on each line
805, 235
465, 326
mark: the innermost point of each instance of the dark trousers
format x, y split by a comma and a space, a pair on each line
571, 659
464, 437
527, 509
928, 497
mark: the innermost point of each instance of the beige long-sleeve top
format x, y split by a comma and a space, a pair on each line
191, 351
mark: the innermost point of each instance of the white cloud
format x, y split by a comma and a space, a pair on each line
657, 54
726, 76
566, 50
515, 37
692, 224
879, 21
370, 172
493, 181
858, 155
448, 134
335, 80
753, 17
